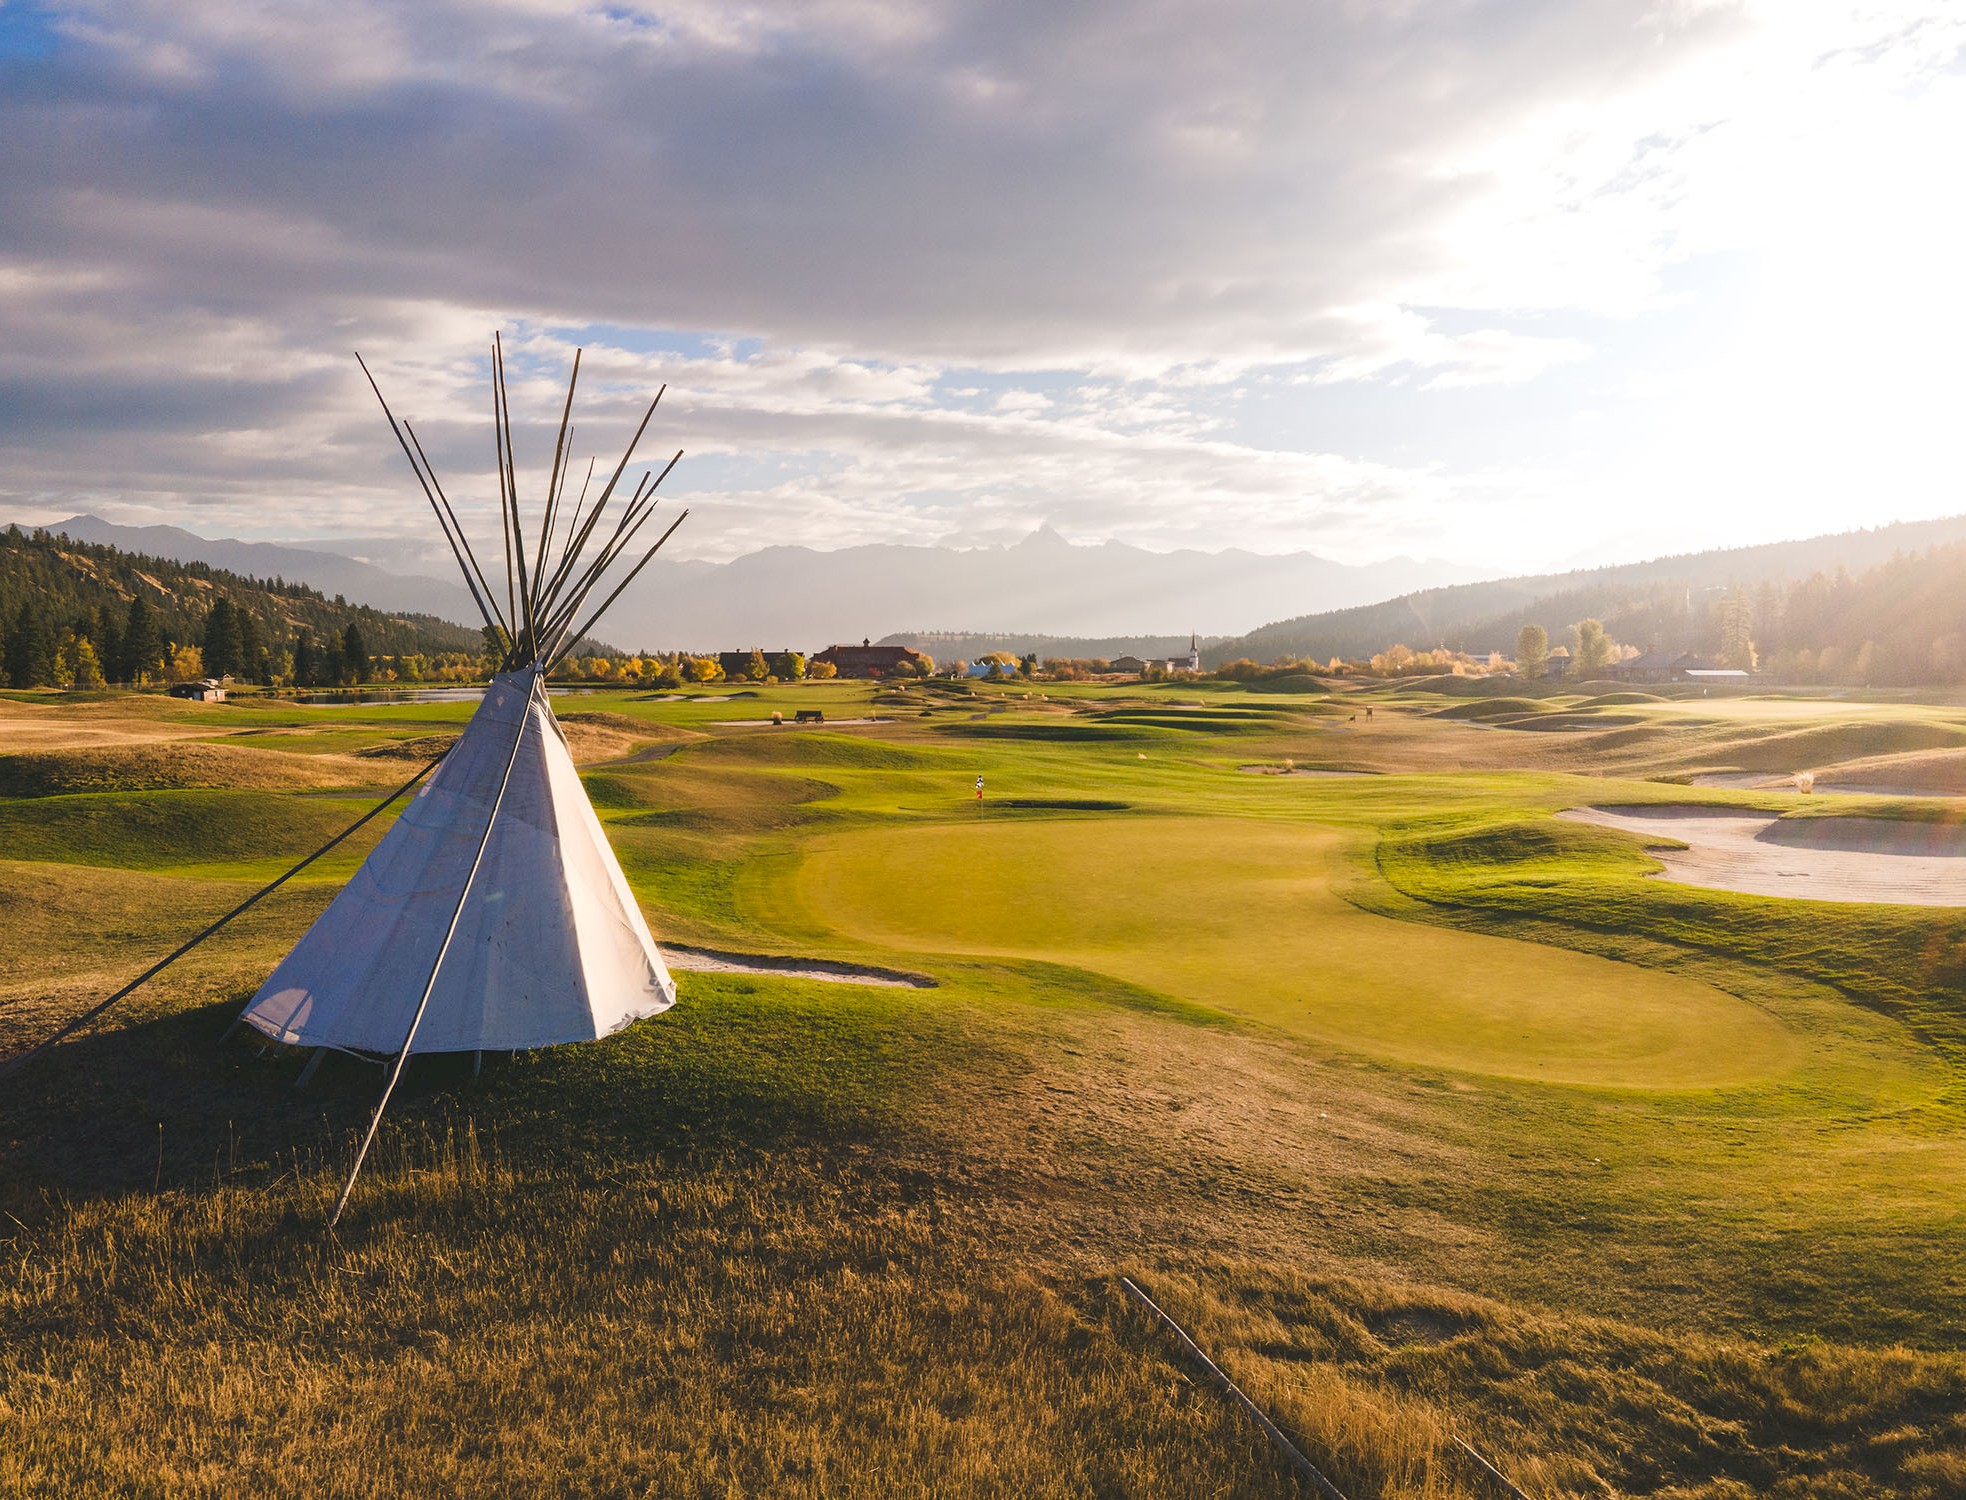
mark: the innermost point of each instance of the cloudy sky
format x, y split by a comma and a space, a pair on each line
1511, 282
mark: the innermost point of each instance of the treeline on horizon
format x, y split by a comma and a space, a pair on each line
87, 615
1898, 623
76, 614
1901, 623
80, 614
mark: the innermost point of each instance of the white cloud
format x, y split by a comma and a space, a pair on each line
837, 229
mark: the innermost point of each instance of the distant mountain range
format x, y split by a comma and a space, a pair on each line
1667, 603
805, 598
359, 582
1060, 599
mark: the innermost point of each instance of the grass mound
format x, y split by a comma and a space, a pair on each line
1620, 700
1222, 719
1827, 744
1297, 682
1593, 687
173, 767
165, 829
1062, 804
613, 791
1489, 708
422, 747
1568, 723
1065, 731
813, 747
1513, 849
1940, 772
646, 729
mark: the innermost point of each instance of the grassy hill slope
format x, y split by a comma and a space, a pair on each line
1670, 603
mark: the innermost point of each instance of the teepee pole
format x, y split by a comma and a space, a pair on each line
512, 490
457, 526
638, 508
578, 541
430, 986
504, 514
439, 513
632, 519
573, 640
572, 517
567, 543
553, 481
575, 548
594, 573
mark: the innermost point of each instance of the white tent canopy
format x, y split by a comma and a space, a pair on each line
493, 915
549, 945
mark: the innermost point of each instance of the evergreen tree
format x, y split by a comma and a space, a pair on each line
1737, 632
354, 655
108, 641
30, 651
142, 655
255, 661
224, 647
496, 645
88, 625
307, 661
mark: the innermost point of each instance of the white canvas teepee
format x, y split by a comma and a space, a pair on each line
548, 947
493, 915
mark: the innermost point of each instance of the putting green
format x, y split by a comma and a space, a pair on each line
1243, 917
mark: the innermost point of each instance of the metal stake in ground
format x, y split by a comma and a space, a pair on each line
1234, 1392
979, 799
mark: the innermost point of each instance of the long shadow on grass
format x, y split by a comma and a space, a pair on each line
737, 1066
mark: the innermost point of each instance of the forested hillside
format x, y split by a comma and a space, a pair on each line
1884, 607
78, 614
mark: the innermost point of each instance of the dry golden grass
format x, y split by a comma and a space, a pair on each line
595, 736
54, 722
179, 766
826, 1321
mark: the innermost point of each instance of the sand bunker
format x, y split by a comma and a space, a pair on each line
1818, 859
684, 958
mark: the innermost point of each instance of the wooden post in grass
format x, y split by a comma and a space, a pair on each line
1283, 1445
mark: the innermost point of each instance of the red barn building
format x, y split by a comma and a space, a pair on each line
869, 660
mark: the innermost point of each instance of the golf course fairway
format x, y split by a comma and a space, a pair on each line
1244, 917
